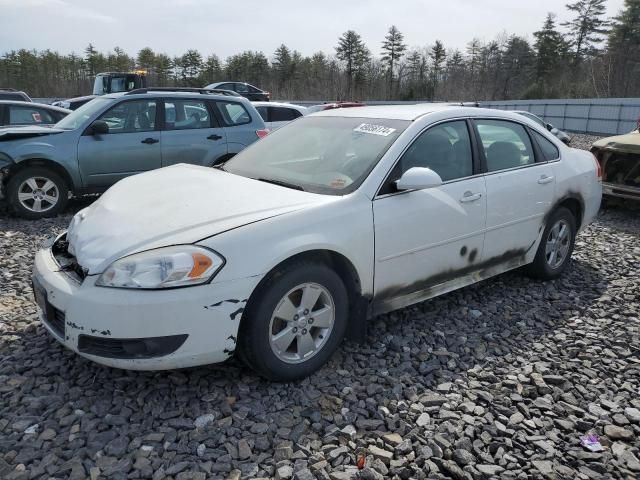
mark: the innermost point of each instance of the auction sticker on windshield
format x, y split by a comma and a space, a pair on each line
374, 129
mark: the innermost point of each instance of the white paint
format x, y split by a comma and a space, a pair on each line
391, 240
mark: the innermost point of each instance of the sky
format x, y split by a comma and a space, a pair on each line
227, 27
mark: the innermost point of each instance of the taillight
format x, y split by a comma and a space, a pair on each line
263, 132
598, 167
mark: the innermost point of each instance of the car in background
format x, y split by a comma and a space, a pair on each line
118, 135
18, 113
563, 136
276, 115
308, 233
333, 105
13, 94
619, 159
245, 89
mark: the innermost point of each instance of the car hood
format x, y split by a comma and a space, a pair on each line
629, 143
174, 205
11, 133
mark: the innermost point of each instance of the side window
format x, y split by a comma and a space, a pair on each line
186, 114
445, 149
282, 114
131, 117
241, 88
506, 144
549, 150
226, 86
233, 113
19, 115
253, 89
263, 113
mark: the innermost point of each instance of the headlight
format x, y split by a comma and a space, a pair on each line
178, 266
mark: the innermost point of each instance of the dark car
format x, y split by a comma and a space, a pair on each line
19, 113
245, 89
13, 94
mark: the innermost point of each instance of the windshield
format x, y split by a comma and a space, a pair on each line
77, 118
330, 155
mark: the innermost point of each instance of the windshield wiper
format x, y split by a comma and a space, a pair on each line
281, 183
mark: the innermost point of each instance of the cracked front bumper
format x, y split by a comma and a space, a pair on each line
138, 329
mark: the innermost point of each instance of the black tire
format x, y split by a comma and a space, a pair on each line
15, 181
253, 339
540, 267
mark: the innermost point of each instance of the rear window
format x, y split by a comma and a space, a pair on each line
282, 114
19, 115
233, 113
549, 150
13, 96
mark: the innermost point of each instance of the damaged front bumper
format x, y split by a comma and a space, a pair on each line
138, 329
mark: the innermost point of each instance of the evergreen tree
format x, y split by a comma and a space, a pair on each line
438, 56
624, 48
352, 51
587, 27
548, 45
393, 48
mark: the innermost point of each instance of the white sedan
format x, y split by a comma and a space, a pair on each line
276, 115
300, 238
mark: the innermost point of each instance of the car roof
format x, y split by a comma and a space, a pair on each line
411, 112
164, 94
279, 104
34, 104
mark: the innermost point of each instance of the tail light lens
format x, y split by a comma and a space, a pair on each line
263, 132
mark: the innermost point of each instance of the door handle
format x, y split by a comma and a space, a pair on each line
470, 197
150, 141
544, 179
214, 137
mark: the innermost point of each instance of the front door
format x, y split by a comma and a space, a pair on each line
424, 239
131, 146
191, 134
520, 191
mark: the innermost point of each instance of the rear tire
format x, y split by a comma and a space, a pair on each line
285, 334
37, 192
556, 246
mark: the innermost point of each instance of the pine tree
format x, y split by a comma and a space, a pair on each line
624, 48
281, 65
352, 51
393, 48
549, 45
587, 27
438, 56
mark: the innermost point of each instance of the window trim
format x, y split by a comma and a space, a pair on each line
476, 165
213, 120
543, 158
157, 120
220, 117
537, 154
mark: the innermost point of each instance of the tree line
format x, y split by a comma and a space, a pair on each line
588, 56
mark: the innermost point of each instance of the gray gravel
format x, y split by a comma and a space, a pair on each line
497, 380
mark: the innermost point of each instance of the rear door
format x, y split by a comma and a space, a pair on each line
191, 134
131, 146
238, 123
520, 188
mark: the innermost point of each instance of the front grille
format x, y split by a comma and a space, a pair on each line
128, 348
55, 319
67, 261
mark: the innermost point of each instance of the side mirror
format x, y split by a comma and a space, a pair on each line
418, 178
99, 127
549, 126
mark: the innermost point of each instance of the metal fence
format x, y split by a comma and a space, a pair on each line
607, 116
595, 116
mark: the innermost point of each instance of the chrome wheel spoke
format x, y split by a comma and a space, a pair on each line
50, 199
323, 318
31, 182
48, 185
306, 345
37, 205
558, 244
310, 296
286, 309
23, 196
283, 340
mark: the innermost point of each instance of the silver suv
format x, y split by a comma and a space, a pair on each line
118, 135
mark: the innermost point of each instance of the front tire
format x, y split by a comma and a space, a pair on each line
295, 323
37, 192
556, 246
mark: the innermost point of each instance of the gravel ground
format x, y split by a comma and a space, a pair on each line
500, 379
